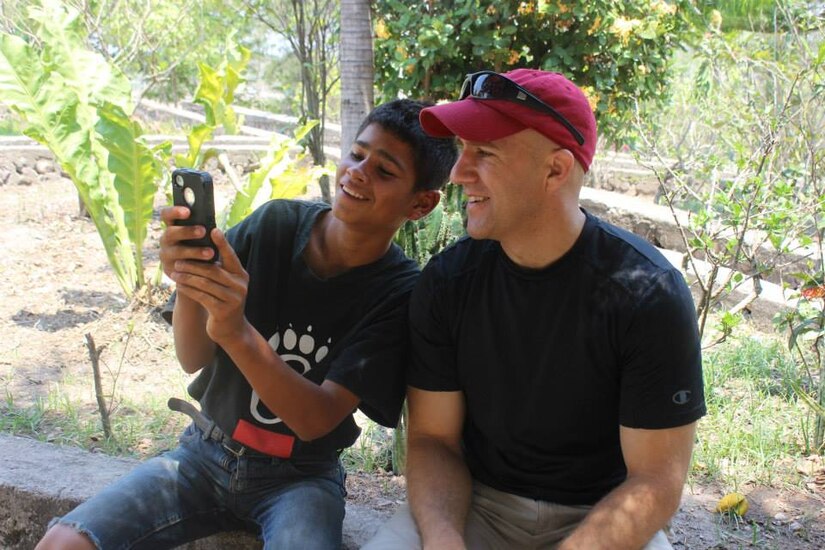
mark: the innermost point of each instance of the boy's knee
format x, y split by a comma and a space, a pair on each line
63, 537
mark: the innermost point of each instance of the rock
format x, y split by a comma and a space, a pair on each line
28, 176
22, 162
14, 179
43, 166
6, 168
795, 526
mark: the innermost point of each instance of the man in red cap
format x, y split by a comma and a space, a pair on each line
556, 375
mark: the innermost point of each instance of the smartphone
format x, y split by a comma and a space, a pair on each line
193, 189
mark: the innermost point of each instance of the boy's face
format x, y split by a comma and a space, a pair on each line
374, 181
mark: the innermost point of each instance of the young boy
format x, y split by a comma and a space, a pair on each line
301, 321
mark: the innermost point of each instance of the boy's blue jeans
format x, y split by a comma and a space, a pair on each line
200, 488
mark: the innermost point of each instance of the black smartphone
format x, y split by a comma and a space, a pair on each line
193, 189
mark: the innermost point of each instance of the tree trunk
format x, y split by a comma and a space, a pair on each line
356, 68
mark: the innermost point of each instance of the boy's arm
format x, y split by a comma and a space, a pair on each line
628, 517
310, 410
439, 486
193, 346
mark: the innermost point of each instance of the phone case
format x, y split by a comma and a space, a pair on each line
193, 189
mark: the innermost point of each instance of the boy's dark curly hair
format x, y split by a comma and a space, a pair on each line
434, 157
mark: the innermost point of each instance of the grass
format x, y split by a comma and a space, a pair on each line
756, 425
373, 449
140, 429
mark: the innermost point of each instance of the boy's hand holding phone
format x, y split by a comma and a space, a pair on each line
190, 221
193, 189
189, 250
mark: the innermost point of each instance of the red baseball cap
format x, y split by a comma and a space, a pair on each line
491, 119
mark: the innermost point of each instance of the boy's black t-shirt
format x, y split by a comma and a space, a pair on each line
551, 362
351, 329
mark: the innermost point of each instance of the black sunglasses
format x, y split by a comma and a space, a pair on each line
490, 85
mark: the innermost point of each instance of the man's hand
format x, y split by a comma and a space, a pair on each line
171, 249
220, 288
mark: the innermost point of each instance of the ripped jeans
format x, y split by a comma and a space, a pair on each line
200, 488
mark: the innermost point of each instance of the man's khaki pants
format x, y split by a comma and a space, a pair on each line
499, 521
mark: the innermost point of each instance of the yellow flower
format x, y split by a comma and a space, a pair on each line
663, 8
595, 26
526, 8
381, 30
623, 28
592, 96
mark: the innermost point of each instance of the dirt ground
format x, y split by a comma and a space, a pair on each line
56, 287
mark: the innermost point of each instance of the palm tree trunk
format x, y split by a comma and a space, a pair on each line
356, 68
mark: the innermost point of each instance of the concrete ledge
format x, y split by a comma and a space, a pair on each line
39, 481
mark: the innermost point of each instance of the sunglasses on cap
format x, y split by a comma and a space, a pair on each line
491, 85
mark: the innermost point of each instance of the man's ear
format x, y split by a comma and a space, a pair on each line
560, 165
424, 203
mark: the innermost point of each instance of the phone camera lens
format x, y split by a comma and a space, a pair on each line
179, 180
189, 196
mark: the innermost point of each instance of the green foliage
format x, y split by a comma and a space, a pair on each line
160, 44
805, 326
216, 92
754, 419
281, 171
60, 89
136, 169
754, 15
740, 148
618, 52
422, 238
77, 104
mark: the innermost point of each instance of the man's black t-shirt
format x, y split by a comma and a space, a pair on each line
351, 329
552, 361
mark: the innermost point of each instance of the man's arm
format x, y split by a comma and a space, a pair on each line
310, 410
439, 486
628, 517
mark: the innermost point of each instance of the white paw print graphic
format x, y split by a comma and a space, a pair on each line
300, 353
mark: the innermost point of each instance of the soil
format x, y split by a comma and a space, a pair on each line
57, 287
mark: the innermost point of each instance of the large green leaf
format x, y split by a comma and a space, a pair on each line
54, 115
277, 169
87, 72
136, 169
271, 164
216, 90
209, 93
197, 136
